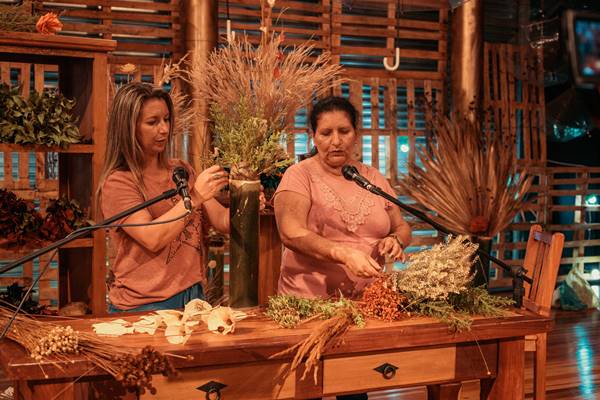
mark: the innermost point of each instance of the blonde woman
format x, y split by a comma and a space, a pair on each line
158, 266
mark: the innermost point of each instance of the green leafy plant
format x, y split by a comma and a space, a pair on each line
44, 118
15, 115
52, 119
290, 311
249, 144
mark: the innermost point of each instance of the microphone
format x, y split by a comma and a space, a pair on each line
351, 173
180, 177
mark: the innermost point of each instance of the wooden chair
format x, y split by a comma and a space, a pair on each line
542, 259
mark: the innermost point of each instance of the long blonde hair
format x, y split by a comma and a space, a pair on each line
123, 149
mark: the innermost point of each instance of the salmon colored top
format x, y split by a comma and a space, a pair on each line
142, 276
342, 212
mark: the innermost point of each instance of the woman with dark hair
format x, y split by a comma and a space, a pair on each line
155, 266
335, 233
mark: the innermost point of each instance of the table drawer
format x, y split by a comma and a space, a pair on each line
405, 368
253, 381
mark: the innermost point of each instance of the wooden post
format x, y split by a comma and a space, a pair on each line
467, 46
201, 34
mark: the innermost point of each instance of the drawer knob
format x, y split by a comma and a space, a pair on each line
387, 370
212, 390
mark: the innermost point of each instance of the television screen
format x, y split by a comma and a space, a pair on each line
587, 41
584, 46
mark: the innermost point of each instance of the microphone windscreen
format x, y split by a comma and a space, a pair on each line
348, 171
180, 173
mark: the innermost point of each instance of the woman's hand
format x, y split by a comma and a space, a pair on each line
209, 183
391, 247
359, 263
262, 199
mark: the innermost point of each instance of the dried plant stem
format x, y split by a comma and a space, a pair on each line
311, 349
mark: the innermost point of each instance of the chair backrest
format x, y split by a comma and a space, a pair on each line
542, 260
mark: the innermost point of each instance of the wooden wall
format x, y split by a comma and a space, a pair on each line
359, 34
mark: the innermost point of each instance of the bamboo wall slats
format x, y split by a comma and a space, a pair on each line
514, 98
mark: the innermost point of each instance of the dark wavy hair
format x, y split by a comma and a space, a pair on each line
328, 104
332, 103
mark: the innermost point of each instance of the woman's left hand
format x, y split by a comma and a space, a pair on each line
391, 247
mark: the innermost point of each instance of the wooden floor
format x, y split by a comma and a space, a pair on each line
573, 363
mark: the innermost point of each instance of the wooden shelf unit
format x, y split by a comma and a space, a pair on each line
83, 76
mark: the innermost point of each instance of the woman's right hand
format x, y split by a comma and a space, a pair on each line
209, 183
360, 264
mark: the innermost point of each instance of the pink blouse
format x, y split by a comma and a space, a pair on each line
342, 212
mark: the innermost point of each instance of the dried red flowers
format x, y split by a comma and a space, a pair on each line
381, 302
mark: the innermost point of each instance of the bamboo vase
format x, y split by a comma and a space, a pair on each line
244, 235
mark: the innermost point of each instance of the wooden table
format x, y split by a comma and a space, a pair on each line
418, 351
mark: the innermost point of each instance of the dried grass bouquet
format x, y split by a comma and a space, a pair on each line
468, 177
253, 93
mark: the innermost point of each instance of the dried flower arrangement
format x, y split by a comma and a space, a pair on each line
63, 216
21, 18
253, 93
44, 118
17, 18
175, 75
19, 221
436, 283
468, 177
21, 224
13, 296
47, 341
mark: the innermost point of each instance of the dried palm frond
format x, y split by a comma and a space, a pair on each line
267, 82
468, 178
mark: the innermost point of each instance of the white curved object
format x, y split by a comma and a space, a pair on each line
396, 61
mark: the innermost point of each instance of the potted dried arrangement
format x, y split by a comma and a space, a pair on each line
469, 179
436, 283
253, 93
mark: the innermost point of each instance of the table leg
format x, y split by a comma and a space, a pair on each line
509, 381
448, 391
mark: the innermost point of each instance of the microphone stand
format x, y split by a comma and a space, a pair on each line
165, 195
518, 273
